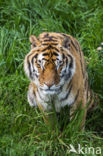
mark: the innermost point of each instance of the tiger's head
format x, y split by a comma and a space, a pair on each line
50, 63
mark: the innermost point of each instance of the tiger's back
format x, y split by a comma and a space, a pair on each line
56, 68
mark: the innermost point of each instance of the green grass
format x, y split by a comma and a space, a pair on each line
22, 129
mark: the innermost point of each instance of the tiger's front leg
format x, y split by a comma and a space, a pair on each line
31, 96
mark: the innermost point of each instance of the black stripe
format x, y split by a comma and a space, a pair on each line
82, 67
29, 66
74, 45
54, 53
50, 39
67, 95
66, 42
49, 47
64, 35
34, 93
32, 61
29, 55
63, 56
45, 59
69, 83
35, 56
66, 62
33, 44
45, 44
55, 48
54, 43
45, 54
71, 62
53, 60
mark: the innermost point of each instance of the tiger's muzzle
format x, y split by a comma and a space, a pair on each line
49, 78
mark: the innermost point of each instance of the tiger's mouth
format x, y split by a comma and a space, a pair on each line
51, 91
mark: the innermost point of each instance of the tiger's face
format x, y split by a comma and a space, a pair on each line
49, 64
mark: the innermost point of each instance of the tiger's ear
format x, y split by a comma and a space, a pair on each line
67, 42
34, 41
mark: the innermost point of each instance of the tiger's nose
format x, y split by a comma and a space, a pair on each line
49, 84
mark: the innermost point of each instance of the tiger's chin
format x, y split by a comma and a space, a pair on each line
49, 92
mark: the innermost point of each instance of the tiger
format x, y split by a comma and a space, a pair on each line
56, 68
